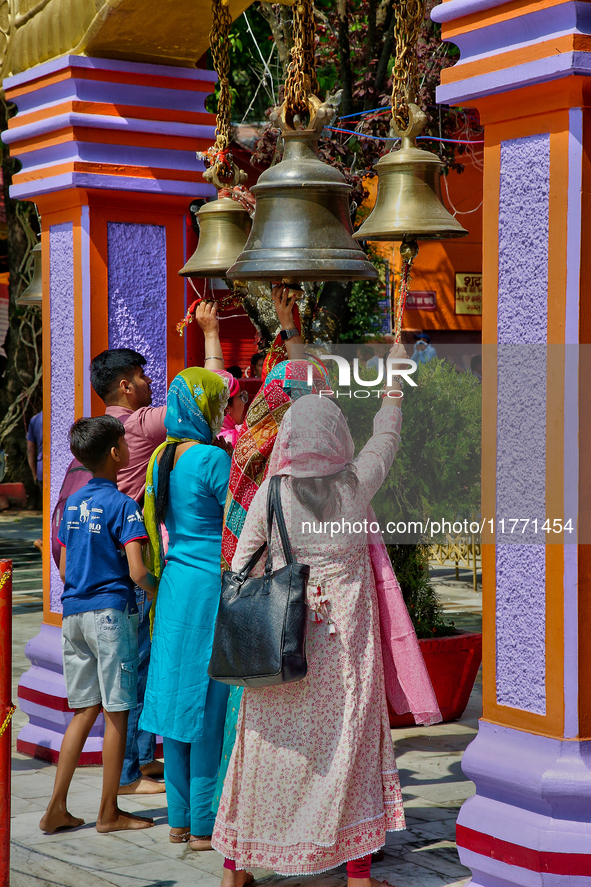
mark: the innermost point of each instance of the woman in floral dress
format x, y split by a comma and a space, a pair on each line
313, 782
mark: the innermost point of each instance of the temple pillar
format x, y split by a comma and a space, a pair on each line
108, 155
525, 66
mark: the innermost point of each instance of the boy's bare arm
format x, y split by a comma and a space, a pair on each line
137, 569
63, 564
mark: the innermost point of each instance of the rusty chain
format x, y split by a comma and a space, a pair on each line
405, 73
12, 708
301, 73
219, 43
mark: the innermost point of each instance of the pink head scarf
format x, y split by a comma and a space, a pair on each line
314, 440
233, 383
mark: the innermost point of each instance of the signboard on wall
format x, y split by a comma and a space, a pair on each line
421, 301
469, 294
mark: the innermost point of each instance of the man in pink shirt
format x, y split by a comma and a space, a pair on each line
119, 379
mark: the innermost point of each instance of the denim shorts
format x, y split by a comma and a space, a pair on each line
100, 651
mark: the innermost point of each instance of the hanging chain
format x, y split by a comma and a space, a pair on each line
408, 251
405, 73
219, 42
12, 708
301, 72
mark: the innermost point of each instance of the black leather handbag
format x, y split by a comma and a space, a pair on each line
260, 630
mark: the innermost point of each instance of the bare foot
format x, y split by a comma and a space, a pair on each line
367, 882
179, 835
155, 769
236, 879
38, 543
122, 822
55, 820
200, 843
142, 786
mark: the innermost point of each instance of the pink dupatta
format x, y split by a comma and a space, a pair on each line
408, 685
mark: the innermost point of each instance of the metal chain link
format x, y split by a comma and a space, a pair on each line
7, 719
301, 78
405, 73
219, 43
3, 580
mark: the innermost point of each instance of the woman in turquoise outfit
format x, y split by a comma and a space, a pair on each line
186, 490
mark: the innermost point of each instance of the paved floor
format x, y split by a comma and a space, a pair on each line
422, 856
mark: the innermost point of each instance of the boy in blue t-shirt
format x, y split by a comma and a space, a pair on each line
101, 532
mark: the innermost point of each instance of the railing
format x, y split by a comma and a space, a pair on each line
463, 550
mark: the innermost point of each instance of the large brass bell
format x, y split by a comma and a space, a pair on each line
33, 293
224, 225
409, 200
302, 227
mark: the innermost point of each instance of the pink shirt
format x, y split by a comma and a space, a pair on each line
144, 431
230, 431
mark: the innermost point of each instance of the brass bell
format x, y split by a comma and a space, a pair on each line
33, 293
302, 226
223, 228
409, 201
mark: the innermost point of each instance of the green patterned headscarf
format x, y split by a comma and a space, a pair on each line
195, 407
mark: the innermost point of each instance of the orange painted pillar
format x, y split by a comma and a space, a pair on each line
525, 65
107, 150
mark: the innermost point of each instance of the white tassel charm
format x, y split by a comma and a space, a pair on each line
319, 608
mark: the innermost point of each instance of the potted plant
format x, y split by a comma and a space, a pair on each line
452, 657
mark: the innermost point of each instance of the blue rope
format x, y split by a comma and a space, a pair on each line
363, 135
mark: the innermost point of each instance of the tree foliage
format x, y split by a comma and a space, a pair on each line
436, 472
20, 390
354, 52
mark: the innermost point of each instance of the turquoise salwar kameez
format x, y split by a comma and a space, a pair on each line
181, 703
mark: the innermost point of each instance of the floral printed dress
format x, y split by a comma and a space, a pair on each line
312, 782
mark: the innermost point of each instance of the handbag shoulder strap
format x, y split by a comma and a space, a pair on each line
252, 562
274, 508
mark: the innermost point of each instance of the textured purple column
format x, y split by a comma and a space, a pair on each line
61, 291
43, 697
137, 296
521, 420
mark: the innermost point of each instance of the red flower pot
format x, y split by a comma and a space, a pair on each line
452, 663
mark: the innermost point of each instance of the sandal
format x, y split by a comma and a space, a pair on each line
180, 838
200, 842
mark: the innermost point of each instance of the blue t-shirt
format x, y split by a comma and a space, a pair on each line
98, 522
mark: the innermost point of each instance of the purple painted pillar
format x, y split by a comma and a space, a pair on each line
108, 153
526, 68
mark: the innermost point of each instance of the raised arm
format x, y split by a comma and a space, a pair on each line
206, 315
376, 457
284, 300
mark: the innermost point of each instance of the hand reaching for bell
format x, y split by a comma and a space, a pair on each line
284, 299
206, 315
398, 352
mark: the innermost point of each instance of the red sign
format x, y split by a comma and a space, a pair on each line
416, 301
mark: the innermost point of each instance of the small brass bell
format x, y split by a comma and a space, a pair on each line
409, 192
33, 293
302, 226
224, 225
223, 230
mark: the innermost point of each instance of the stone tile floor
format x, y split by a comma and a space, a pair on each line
424, 855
